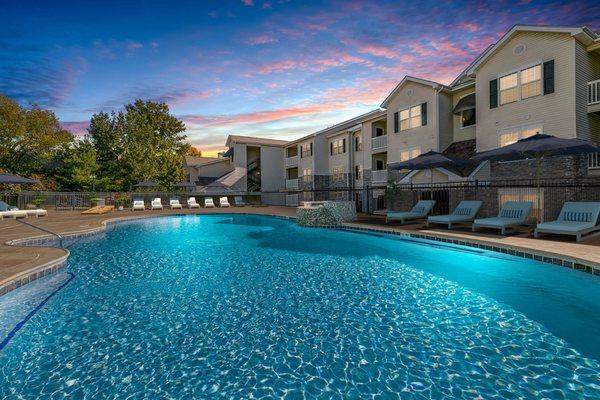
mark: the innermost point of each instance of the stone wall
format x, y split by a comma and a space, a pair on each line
559, 167
328, 214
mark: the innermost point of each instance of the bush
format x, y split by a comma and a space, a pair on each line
38, 201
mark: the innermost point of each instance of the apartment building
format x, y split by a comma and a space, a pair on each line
534, 79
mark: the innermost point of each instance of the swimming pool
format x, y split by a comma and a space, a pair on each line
250, 306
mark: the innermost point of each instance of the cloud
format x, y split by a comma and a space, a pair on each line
133, 46
261, 39
77, 128
248, 3
334, 60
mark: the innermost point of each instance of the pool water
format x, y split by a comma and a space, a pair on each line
256, 307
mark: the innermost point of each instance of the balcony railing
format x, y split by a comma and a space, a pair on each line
291, 183
291, 161
594, 161
291, 200
594, 92
379, 142
379, 175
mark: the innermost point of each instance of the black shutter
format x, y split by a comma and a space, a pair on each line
330, 148
395, 122
424, 114
301, 156
343, 145
494, 93
311, 148
549, 77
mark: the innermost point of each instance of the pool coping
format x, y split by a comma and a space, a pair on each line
59, 263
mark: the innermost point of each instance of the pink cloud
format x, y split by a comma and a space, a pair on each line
279, 66
261, 39
133, 46
248, 3
468, 26
377, 50
77, 128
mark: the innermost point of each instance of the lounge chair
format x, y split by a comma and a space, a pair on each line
208, 203
513, 213
174, 203
13, 214
464, 212
6, 207
138, 205
223, 202
99, 210
575, 218
239, 201
191, 202
420, 210
156, 204
38, 212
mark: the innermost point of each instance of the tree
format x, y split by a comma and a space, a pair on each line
79, 167
193, 151
143, 142
29, 138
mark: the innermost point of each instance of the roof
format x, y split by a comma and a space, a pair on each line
583, 34
192, 161
408, 78
465, 103
232, 139
464, 149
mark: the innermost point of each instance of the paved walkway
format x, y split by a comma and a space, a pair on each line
18, 261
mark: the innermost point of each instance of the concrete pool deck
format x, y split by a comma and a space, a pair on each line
20, 264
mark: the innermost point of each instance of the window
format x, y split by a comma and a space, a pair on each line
509, 89
338, 146
531, 82
358, 172
512, 135
379, 131
411, 117
306, 150
306, 175
467, 118
410, 153
337, 174
358, 145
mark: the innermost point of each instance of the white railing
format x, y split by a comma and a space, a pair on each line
291, 161
291, 200
291, 183
593, 92
594, 161
380, 175
379, 142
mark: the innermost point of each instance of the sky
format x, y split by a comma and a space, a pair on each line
278, 69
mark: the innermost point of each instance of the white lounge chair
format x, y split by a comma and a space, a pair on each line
138, 205
223, 202
38, 212
575, 218
239, 201
420, 210
513, 213
466, 211
156, 204
208, 203
13, 214
191, 202
174, 203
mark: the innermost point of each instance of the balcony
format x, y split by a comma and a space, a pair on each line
594, 96
291, 161
291, 183
379, 142
379, 176
291, 200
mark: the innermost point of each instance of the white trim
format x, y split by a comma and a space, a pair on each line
451, 175
477, 169
408, 78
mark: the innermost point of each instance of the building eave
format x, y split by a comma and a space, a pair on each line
408, 78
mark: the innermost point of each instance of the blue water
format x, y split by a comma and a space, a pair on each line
256, 307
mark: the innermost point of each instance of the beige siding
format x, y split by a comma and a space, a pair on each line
339, 160
555, 111
215, 169
588, 69
424, 137
425, 177
461, 134
445, 120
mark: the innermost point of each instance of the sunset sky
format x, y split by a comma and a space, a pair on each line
270, 68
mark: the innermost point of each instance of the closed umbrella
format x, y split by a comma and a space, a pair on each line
16, 180
146, 184
538, 147
430, 161
186, 185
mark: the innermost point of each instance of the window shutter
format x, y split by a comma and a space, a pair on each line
330, 148
549, 77
494, 93
311, 148
424, 114
301, 147
395, 122
343, 145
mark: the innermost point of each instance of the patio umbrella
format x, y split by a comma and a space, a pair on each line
538, 147
186, 185
430, 161
16, 180
146, 184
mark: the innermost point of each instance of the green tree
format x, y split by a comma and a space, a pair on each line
143, 142
29, 139
79, 168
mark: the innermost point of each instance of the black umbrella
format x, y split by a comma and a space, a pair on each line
17, 180
538, 146
146, 184
430, 160
186, 184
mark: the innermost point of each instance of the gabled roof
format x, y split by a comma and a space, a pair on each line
232, 139
192, 161
408, 78
582, 34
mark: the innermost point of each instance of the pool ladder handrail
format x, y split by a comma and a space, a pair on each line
60, 238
